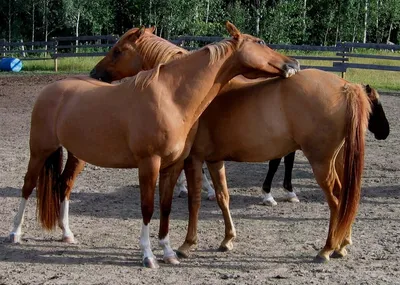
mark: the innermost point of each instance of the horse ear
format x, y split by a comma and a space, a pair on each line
151, 29
232, 30
368, 88
141, 31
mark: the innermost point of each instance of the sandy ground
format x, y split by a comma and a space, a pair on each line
275, 245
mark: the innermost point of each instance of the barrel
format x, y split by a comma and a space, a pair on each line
10, 64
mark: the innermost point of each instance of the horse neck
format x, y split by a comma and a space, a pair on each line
196, 82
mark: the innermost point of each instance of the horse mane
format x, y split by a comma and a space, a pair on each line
164, 50
145, 77
219, 49
156, 50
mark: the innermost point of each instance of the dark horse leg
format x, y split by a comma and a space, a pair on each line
287, 182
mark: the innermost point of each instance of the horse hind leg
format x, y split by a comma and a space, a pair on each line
339, 166
328, 180
72, 169
193, 167
287, 181
207, 185
217, 172
267, 198
35, 165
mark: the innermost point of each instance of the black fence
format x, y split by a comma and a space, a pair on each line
84, 46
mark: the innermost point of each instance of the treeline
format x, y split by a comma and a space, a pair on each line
319, 22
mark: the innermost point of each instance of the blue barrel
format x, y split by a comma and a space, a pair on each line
10, 64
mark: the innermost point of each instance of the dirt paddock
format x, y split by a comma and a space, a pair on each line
274, 245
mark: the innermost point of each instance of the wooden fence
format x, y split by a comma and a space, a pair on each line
61, 47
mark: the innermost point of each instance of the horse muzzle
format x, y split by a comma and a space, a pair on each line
291, 69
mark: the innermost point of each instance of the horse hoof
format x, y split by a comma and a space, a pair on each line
269, 202
69, 239
211, 198
339, 254
321, 259
183, 194
14, 238
293, 200
171, 260
150, 262
225, 247
182, 253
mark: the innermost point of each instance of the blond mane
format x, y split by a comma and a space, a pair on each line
155, 50
159, 51
219, 49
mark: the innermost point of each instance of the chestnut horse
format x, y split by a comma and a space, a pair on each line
148, 122
377, 124
315, 111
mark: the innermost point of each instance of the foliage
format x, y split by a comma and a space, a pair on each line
321, 22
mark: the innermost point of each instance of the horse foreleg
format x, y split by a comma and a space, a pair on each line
287, 181
34, 167
168, 178
193, 173
72, 169
267, 198
148, 172
217, 172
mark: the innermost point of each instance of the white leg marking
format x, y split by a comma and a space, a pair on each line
145, 242
64, 221
168, 252
292, 197
268, 200
180, 184
18, 221
208, 187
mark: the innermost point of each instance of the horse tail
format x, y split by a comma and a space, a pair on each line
356, 122
48, 190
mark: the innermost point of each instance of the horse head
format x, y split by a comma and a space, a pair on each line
138, 49
260, 59
377, 124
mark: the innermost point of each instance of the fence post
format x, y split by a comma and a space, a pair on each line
55, 54
22, 48
343, 49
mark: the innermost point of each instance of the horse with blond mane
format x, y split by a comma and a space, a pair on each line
148, 122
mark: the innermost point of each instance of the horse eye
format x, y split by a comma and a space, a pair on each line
261, 42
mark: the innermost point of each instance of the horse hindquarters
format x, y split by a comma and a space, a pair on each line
357, 114
342, 187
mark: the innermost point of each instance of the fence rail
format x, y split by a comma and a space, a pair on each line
85, 46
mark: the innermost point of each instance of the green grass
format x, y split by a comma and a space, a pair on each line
382, 80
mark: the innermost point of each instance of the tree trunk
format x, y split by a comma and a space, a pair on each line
257, 6
9, 21
304, 20
33, 22
77, 30
355, 23
207, 10
377, 22
365, 21
390, 31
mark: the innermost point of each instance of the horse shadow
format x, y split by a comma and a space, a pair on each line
49, 252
